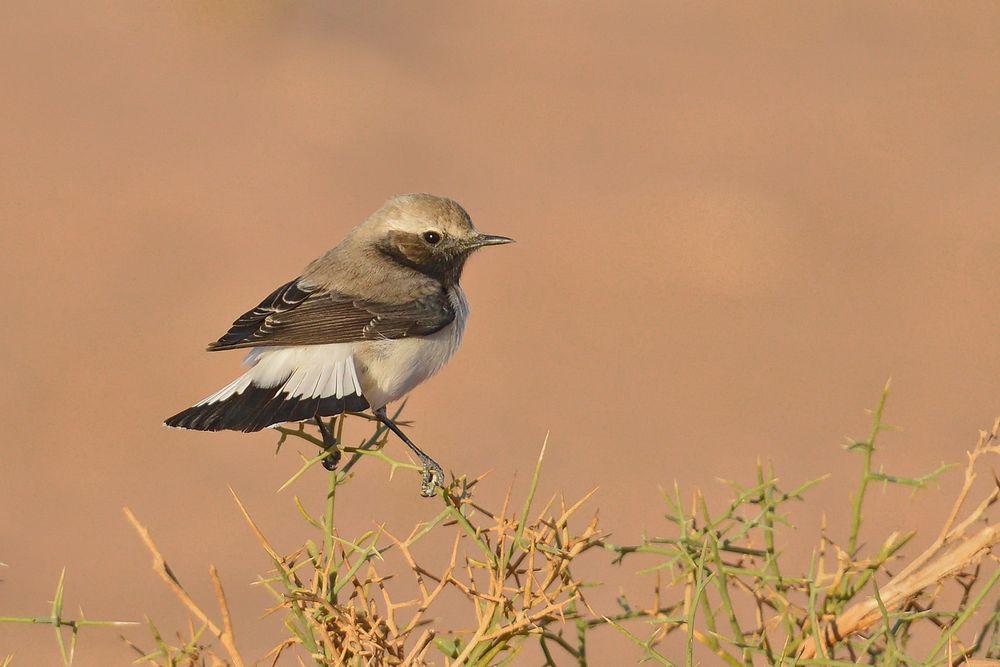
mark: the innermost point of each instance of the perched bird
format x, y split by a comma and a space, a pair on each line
362, 326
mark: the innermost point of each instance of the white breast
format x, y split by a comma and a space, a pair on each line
389, 369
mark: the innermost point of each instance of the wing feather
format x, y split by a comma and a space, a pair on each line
299, 313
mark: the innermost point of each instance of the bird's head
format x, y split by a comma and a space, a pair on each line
432, 235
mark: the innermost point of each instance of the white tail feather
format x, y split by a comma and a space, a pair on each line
309, 371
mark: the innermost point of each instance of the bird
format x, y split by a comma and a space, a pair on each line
359, 328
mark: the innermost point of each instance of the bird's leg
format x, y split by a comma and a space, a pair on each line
329, 445
433, 475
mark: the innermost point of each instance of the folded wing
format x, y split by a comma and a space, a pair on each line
299, 313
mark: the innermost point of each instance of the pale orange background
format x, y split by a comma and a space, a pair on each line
734, 223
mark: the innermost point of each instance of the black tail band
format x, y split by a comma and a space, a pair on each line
256, 408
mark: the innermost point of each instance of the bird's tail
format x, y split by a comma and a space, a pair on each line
284, 385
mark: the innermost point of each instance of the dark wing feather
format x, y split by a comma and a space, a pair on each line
300, 314
253, 323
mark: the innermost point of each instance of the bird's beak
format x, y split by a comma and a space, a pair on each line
490, 239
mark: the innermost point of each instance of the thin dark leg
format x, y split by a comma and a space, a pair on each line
330, 445
433, 475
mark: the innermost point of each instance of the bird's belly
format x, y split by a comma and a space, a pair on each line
389, 369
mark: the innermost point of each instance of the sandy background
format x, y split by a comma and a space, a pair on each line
733, 225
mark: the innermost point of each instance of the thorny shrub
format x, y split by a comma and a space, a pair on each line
721, 592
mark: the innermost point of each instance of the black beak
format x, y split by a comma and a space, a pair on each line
490, 239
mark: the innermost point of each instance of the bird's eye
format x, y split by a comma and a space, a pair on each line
432, 237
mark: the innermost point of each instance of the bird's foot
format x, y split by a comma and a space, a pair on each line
432, 479
332, 458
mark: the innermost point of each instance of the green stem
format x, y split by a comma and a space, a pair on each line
868, 447
970, 609
62, 622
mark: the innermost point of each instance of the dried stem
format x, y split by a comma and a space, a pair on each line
225, 635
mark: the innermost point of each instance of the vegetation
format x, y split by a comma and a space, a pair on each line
721, 591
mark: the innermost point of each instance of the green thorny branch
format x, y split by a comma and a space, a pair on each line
738, 604
61, 624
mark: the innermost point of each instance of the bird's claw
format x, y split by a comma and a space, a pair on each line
332, 458
432, 479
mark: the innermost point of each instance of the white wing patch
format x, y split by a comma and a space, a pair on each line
306, 371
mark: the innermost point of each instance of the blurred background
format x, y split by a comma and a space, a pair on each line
734, 224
